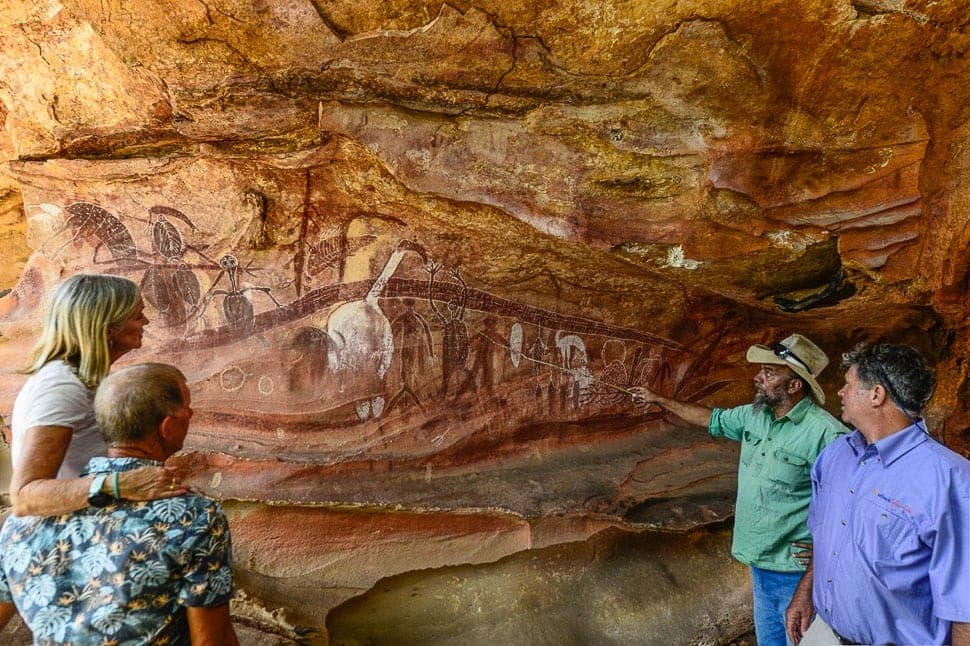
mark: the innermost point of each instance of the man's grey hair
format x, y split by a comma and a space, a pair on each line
900, 369
132, 401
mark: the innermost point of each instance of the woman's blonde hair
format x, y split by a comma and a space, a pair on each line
80, 313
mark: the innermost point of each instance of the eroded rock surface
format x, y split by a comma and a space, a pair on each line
412, 255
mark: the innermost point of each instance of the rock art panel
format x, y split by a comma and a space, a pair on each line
412, 255
360, 341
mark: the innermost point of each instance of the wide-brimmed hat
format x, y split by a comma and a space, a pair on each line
800, 355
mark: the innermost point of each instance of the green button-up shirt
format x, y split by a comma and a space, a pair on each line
774, 477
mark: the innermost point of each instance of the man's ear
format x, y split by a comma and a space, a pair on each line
794, 385
165, 429
878, 395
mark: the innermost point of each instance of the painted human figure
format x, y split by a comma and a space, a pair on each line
482, 371
413, 336
537, 353
454, 332
537, 356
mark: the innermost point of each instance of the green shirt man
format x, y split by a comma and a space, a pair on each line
781, 434
774, 480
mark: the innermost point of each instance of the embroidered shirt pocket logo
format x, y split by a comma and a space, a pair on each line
884, 528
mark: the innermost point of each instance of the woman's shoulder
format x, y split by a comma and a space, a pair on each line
55, 374
58, 368
53, 396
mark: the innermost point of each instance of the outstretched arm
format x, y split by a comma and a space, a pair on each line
689, 412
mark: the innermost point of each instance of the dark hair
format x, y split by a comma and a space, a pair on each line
131, 402
900, 369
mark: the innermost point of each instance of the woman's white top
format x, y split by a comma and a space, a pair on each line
54, 396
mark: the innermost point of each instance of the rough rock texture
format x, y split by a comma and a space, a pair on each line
412, 254
581, 593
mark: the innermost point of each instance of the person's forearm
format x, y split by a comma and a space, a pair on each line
50, 497
798, 615
691, 413
804, 588
961, 635
34, 491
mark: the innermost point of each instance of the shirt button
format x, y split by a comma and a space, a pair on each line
851, 490
843, 523
828, 580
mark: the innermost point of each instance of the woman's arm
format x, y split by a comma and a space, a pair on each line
35, 491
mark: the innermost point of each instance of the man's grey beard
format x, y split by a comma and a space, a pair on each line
761, 400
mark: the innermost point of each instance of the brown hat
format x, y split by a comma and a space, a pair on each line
800, 355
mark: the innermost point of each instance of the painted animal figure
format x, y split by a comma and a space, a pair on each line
236, 306
89, 221
570, 346
169, 284
361, 338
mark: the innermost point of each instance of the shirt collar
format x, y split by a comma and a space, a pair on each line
893, 447
856, 441
105, 465
900, 443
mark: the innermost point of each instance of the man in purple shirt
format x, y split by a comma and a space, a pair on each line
890, 517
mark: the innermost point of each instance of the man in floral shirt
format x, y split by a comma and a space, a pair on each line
123, 572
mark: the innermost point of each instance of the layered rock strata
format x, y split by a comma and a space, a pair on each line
412, 256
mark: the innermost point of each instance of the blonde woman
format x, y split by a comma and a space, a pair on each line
91, 321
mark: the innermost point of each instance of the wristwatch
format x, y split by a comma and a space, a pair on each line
96, 497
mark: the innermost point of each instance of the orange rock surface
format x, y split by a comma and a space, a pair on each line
412, 255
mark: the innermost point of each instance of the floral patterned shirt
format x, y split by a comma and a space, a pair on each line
121, 575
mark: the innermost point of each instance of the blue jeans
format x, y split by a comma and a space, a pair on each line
772, 594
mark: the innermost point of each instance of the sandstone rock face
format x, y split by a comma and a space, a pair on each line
412, 255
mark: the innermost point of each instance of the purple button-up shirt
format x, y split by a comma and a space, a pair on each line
890, 523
